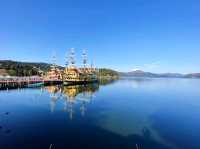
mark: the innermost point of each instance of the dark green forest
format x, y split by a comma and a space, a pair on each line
14, 68
107, 72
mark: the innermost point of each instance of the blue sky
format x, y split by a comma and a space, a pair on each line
153, 35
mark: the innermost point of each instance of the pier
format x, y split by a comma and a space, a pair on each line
23, 82
31, 82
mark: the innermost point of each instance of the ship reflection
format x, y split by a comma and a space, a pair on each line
80, 95
55, 94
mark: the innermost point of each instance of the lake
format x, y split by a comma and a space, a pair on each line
134, 113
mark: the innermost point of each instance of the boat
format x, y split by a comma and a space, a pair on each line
74, 75
54, 74
35, 85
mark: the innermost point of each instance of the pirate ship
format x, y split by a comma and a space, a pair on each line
74, 75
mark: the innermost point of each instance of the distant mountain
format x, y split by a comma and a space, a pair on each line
137, 73
140, 73
170, 75
193, 75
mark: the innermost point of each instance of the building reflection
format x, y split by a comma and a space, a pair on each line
79, 95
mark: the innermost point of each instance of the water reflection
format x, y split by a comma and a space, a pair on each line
55, 94
146, 133
152, 113
107, 81
76, 94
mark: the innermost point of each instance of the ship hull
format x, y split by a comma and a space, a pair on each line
52, 82
35, 85
79, 82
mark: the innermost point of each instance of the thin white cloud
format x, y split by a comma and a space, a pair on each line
148, 67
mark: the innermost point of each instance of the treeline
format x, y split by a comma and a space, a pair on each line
14, 68
104, 72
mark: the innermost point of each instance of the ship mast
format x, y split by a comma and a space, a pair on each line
84, 56
71, 59
53, 66
92, 66
67, 60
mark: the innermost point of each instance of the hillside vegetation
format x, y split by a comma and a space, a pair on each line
13, 68
109, 73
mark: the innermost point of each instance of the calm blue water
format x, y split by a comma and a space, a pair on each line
126, 114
